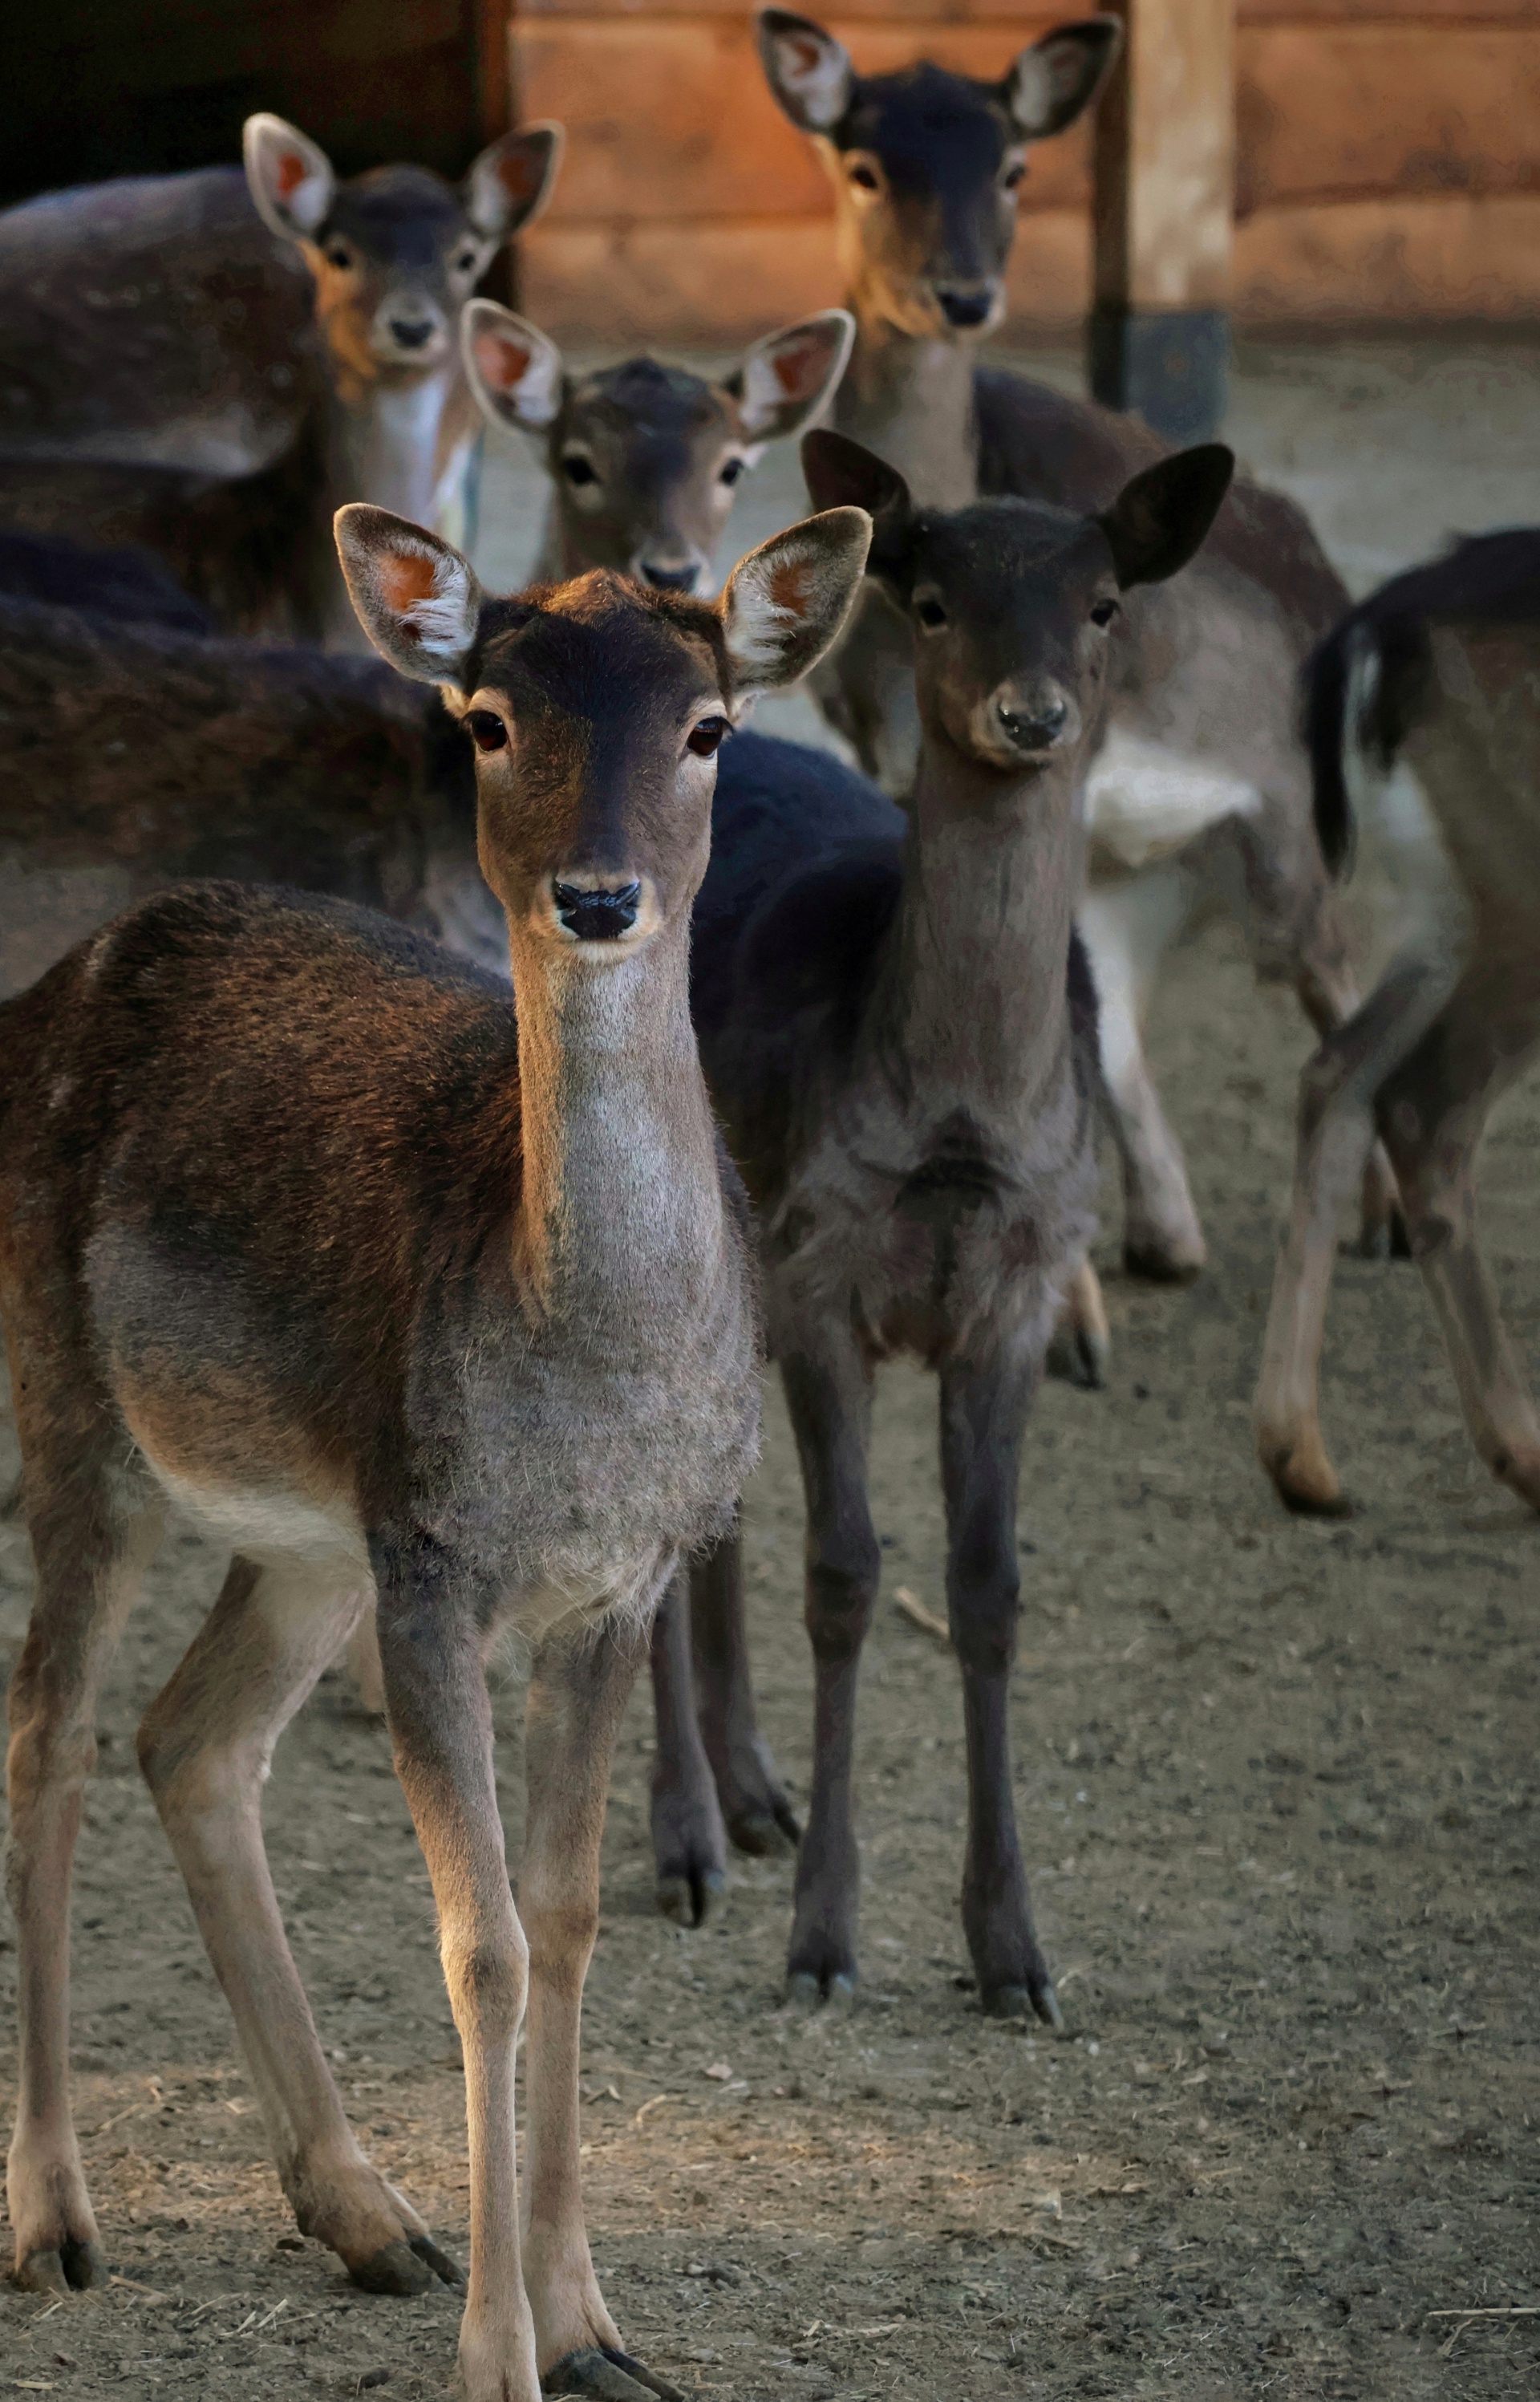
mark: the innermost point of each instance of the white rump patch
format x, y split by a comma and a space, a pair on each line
1143, 802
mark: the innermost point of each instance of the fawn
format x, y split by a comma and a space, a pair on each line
905, 1061
1201, 788
420, 1295
257, 351
1423, 721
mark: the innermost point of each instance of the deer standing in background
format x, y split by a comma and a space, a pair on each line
1201, 788
421, 1296
1424, 721
644, 460
211, 366
903, 1059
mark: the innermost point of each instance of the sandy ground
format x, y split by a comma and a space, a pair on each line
1277, 1783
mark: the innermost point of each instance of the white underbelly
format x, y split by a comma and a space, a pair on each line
265, 1523
1144, 803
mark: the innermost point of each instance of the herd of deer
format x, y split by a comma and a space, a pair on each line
443, 1305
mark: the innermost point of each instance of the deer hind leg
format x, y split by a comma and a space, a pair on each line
1082, 1347
689, 1840
760, 1817
1126, 928
205, 1745
1432, 1112
1335, 1134
93, 1535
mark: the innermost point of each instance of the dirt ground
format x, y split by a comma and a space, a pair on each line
1277, 1787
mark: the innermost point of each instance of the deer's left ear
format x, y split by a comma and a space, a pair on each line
511, 182
514, 370
417, 601
808, 71
784, 380
786, 603
1054, 81
289, 176
1158, 520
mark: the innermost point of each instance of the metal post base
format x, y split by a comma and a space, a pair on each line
1165, 366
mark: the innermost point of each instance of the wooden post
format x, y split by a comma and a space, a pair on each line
492, 62
1165, 164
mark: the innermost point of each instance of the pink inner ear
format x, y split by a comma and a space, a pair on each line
290, 173
503, 364
808, 56
789, 586
797, 364
519, 173
404, 576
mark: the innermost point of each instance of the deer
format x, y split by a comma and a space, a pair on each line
1422, 714
645, 459
428, 1298
255, 349
898, 1036
1201, 791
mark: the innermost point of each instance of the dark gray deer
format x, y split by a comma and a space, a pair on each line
423, 1297
904, 1063
209, 364
1200, 789
1424, 715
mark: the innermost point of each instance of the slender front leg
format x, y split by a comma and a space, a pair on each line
1126, 926
830, 1398
577, 1697
984, 1407
760, 1817
441, 1731
689, 1840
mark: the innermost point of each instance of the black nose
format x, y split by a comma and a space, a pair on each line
596, 917
1034, 733
412, 333
964, 307
671, 579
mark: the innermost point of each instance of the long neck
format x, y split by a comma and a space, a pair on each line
969, 1014
911, 400
404, 446
622, 1228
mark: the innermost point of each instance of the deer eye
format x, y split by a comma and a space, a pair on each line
1013, 176
864, 177
1103, 612
488, 731
339, 254
930, 611
706, 738
579, 470
464, 260
731, 473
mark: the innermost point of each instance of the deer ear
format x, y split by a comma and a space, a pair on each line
807, 70
1054, 80
289, 177
514, 369
784, 380
417, 601
787, 601
1158, 520
511, 182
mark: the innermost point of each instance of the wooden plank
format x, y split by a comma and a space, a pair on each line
1346, 112
673, 117
1391, 260
931, 13
1164, 159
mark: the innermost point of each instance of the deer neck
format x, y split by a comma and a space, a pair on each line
621, 1230
969, 1014
911, 399
402, 442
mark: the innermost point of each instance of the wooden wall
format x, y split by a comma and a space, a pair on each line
1388, 168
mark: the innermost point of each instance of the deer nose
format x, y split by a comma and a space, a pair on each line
965, 304
683, 577
1032, 728
412, 332
595, 916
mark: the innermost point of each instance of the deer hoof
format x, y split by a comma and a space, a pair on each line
1026, 2002
1079, 1358
807, 1992
396, 2267
689, 1898
613, 2375
764, 1835
1305, 1479
66, 2268
1157, 1264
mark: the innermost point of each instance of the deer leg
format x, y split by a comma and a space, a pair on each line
577, 1696
1433, 1110
830, 1400
440, 1720
760, 1817
206, 1745
1336, 1132
985, 1406
1126, 928
1083, 1340
689, 1840
91, 1544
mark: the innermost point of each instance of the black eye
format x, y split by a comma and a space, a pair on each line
930, 613
1013, 176
731, 473
464, 261
707, 736
488, 731
1103, 612
579, 470
864, 177
339, 255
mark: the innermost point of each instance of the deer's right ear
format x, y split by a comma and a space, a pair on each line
807, 70
289, 177
511, 182
786, 603
417, 601
514, 369
1158, 520
841, 473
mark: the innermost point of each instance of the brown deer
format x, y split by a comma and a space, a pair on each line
1423, 720
1202, 789
210, 365
422, 1296
900, 1038
644, 459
